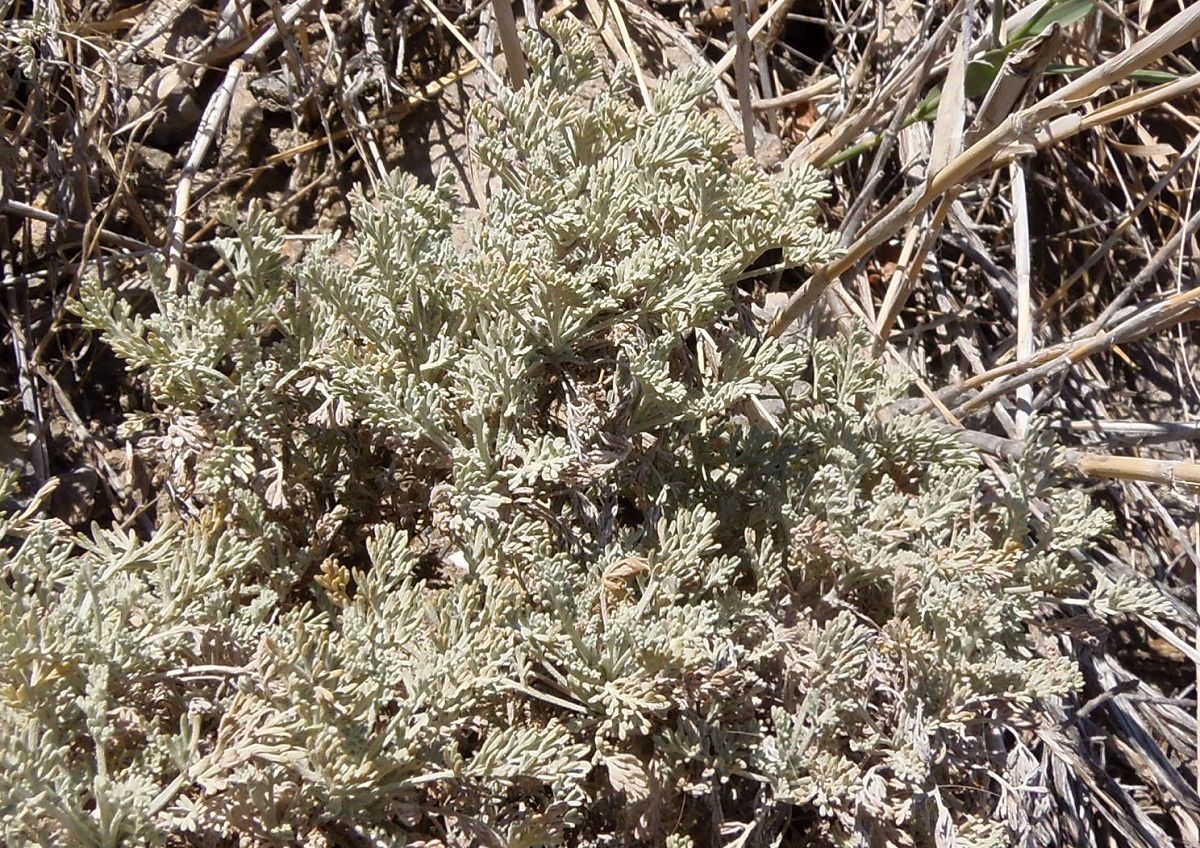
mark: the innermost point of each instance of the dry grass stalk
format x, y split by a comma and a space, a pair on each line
822, 86
510, 41
1091, 464
632, 52
1142, 432
1135, 468
1062, 128
741, 74
1052, 360
34, 420
214, 114
467, 43
777, 8
9, 206
1181, 29
1024, 273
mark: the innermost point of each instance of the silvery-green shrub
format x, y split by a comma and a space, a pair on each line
509, 526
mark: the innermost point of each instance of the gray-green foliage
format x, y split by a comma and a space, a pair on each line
520, 532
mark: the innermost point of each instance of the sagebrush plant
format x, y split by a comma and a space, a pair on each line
515, 529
